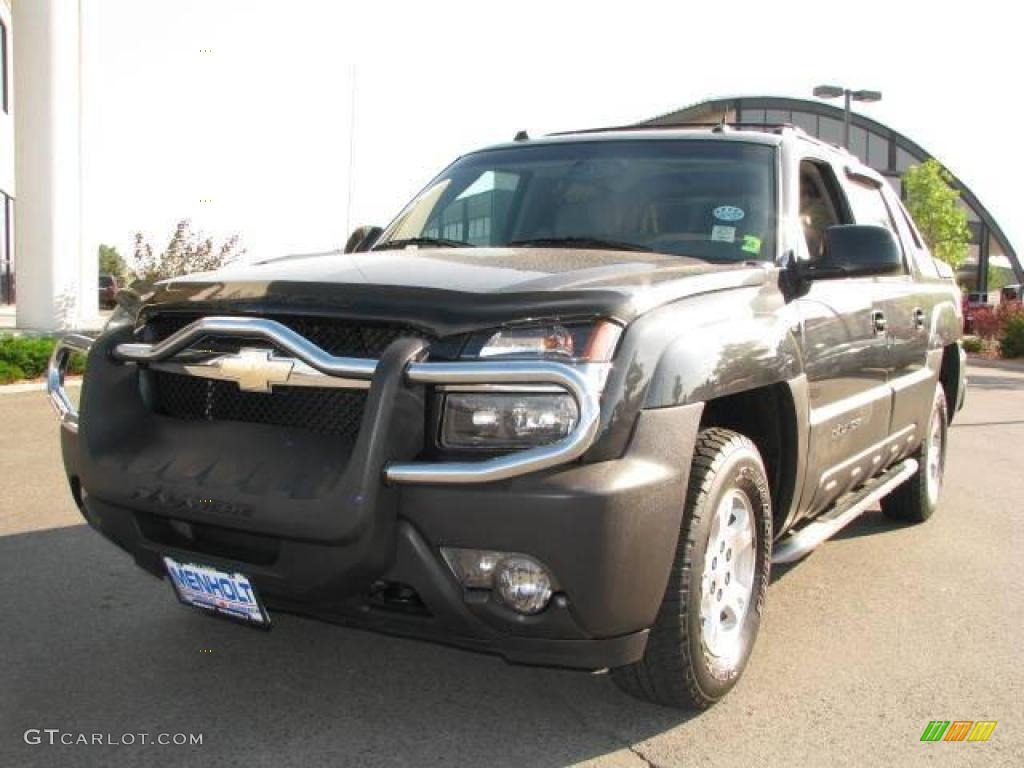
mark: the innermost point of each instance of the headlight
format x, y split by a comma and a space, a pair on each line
506, 420
538, 341
588, 341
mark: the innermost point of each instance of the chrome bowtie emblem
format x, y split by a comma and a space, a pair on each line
255, 370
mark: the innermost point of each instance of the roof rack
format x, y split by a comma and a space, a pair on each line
720, 126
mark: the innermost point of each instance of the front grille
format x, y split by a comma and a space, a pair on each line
341, 338
335, 412
326, 411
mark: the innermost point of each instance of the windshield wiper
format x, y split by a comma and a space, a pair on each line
579, 242
438, 241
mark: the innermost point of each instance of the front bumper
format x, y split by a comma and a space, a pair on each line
324, 546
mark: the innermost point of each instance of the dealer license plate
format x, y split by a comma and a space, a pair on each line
218, 592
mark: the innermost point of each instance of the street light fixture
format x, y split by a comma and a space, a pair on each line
835, 91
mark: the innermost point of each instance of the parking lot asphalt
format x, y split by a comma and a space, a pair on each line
875, 634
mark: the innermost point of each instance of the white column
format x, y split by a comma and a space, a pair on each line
56, 287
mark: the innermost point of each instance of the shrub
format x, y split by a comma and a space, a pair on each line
26, 357
985, 323
28, 353
1011, 339
77, 363
973, 344
10, 372
1008, 310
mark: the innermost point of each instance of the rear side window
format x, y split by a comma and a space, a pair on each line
912, 243
869, 206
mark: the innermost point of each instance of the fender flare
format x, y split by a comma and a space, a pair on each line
714, 362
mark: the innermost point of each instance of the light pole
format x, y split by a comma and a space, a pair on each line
835, 91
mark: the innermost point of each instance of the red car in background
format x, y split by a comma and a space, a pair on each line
108, 288
972, 302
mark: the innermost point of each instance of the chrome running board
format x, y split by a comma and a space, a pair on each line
795, 545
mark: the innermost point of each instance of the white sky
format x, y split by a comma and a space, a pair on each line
260, 125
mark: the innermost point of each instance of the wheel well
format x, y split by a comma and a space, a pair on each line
949, 377
767, 416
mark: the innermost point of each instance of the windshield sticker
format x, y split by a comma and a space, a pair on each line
728, 213
723, 234
751, 244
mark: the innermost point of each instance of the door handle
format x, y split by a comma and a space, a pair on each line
918, 318
878, 322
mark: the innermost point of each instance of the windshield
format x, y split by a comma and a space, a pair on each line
709, 199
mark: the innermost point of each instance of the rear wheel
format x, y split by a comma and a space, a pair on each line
918, 497
709, 616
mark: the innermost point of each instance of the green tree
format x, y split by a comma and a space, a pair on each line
186, 252
932, 202
111, 262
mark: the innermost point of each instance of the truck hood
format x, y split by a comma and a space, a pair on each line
455, 289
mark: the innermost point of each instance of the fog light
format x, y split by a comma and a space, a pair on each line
522, 584
473, 567
518, 581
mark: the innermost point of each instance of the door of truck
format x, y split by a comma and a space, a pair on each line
845, 352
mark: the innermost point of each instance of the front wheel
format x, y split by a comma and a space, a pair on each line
711, 611
918, 497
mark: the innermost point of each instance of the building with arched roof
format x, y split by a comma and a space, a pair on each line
887, 151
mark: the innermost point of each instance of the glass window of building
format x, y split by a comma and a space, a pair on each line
774, 116
1000, 270
753, 115
975, 227
878, 152
807, 122
904, 160
859, 142
830, 130
967, 272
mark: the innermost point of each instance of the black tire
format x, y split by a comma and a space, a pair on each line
677, 669
918, 498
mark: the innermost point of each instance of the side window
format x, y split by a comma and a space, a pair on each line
869, 207
821, 204
912, 243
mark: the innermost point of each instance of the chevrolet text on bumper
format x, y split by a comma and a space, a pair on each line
567, 408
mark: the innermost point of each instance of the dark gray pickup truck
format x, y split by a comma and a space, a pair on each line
567, 408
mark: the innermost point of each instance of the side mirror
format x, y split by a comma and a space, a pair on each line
856, 250
362, 238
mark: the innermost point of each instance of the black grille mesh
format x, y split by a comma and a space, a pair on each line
326, 411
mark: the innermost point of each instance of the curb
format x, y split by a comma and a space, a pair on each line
34, 386
987, 362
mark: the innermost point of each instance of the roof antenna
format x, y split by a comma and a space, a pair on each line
522, 136
722, 126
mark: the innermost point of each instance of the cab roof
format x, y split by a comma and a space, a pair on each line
650, 133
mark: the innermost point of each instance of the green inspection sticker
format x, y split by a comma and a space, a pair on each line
751, 244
